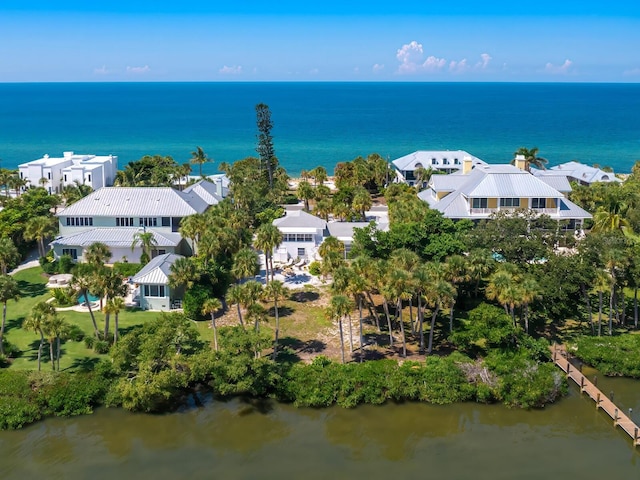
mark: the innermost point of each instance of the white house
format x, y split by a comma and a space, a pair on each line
56, 172
476, 193
577, 172
116, 215
153, 287
445, 161
302, 233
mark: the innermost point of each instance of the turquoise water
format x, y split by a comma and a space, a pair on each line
322, 123
92, 298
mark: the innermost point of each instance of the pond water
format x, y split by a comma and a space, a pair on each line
244, 440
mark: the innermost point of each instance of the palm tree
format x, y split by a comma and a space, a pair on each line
323, 208
408, 261
184, 273
614, 262
193, 227
439, 293
366, 269
82, 280
361, 201
199, 157
35, 322
319, 175
422, 176
267, 238
531, 158
39, 228
530, 290
275, 290
17, 183
455, 272
9, 255
114, 287
331, 244
147, 241
97, 254
479, 263
55, 328
251, 293
402, 288
357, 287
115, 305
422, 278
210, 307
245, 263
603, 283
305, 192
8, 291
235, 296
339, 307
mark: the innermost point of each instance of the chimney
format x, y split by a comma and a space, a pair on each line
467, 165
219, 186
521, 162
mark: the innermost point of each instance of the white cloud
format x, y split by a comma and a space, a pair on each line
103, 70
558, 69
411, 56
232, 70
377, 67
138, 70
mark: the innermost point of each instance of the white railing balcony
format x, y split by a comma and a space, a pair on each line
483, 211
548, 211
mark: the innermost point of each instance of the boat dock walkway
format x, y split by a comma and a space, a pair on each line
602, 401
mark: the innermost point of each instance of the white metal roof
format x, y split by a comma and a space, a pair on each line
157, 271
584, 173
425, 158
205, 190
300, 219
136, 202
116, 237
504, 181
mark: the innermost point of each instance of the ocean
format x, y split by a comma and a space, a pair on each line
322, 123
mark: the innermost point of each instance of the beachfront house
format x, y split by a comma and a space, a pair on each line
476, 193
152, 284
442, 161
54, 173
302, 233
577, 172
116, 216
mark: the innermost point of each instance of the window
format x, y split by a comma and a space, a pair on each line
68, 221
49, 176
148, 221
297, 237
124, 222
65, 178
154, 291
89, 178
166, 221
479, 203
445, 161
509, 202
79, 221
72, 252
538, 203
301, 252
456, 161
434, 161
156, 252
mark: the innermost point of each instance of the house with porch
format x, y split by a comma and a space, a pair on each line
152, 284
302, 234
476, 192
117, 216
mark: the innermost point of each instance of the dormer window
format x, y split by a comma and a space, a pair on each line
434, 161
456, 161
445, 161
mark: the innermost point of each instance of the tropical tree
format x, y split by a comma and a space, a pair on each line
9, 255
265, 149
479, 263
235, 296
39, 228
97, 254
530, 290
252, 291
198, 158
147, 241
456, 273
422, 176
441, 293
83, 280
531, 158
184, 273
603, 283
8, 291
210, 307
114, 287
36, 321
115, 305
267, 238
276, 291
402, 289
193, 227
305, 192
339, 307
319, 175
55, 329
245, 263
323, 208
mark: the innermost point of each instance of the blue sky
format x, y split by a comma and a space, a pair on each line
144, 40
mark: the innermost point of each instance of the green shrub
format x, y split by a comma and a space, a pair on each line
193, 300
89, 341
74, 393
66, 264
126, 269
315, 268
19, 402
64, 297
50, 268
76, 334
612, 355
101, 346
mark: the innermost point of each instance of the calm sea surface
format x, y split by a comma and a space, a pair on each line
322, 123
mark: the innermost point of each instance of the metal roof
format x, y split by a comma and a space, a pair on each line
425, 159
504, 181
157, 271
116, 237
136, 202
584, 173
206, 190
300, 219
554, 180
344, 230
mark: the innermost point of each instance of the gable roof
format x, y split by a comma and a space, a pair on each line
424, 158
157, 271
206, 190
137, 202
300, 219
584, 173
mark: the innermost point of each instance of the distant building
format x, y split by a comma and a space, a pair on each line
54, 173
444, 161
578, 172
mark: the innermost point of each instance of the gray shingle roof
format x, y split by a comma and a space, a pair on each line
137, 202
157, 271
115, 237
300, 219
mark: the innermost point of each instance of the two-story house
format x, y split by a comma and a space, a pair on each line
444, 161
477, 191
116, 216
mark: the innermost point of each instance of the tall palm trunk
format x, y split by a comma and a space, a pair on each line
341, 339
4, 319
433, 326
451, 317
588, 302
421, 323
611, 308
374, 312
275, 341
404, 339
58, 352
599, 314
623, 313
386, 311
40, 347
526, 317
411, 316
107, 318
360, 325
51, 355
350, 334
240, 315
635, 307
115, 332
93, 318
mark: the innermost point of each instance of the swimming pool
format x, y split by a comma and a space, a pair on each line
92, 299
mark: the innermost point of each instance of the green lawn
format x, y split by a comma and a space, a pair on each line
74, 354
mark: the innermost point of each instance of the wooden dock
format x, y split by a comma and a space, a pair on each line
602, 401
